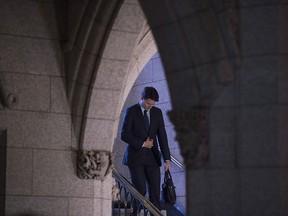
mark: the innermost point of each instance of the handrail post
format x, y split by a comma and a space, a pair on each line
142, 202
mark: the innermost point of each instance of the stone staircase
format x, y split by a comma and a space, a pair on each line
124, 209
126, 192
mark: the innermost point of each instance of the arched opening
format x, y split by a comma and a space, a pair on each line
153, 75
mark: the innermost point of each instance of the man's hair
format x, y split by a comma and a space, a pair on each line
150, 92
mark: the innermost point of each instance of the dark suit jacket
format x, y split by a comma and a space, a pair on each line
134, 133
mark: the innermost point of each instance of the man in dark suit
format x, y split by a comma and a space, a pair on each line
144, 131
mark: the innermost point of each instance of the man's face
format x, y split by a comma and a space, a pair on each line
148, 103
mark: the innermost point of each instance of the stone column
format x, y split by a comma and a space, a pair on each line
192, 131
191, 127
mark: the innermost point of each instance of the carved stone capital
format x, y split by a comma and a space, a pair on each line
192, 134
94, 164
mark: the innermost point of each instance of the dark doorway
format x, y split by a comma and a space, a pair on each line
3, 159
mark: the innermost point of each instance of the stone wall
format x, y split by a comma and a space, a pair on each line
41, 146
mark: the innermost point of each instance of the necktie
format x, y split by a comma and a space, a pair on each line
146, 120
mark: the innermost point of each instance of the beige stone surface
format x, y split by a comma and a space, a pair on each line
120, 45
19, 172
75, 131
56, 206
30, 55
19, 19
106, 207
32, 92
59, 100
110, 74
130, 18
77, 91
81, 206
103, 189
37, 130
102, 207
54, 174
80, 66
98, 134
103, 104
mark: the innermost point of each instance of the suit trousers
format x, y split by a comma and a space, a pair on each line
150, 175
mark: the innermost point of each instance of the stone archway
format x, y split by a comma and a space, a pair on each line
198, 67
113, 82
216, 59
124, 56
190, 56
194, 55
128, 46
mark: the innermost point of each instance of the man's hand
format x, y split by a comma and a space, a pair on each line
148, 143
167, 165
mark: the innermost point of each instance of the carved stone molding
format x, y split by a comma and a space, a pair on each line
94, 164
9, 100
192, 134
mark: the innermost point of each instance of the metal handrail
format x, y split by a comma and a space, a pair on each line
178, 163
129, 190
